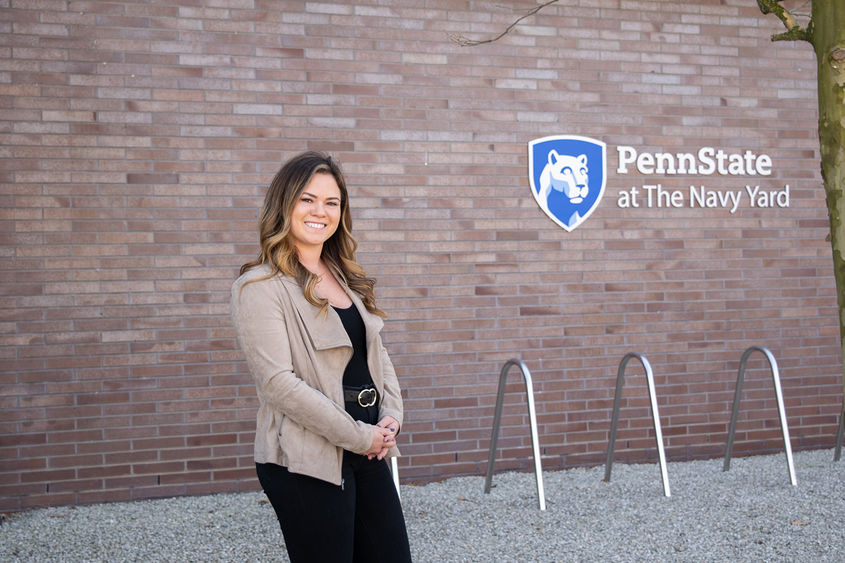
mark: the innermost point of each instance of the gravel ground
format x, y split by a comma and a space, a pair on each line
750, 513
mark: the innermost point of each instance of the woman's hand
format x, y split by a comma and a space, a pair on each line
392, 426
390, 423
383, 440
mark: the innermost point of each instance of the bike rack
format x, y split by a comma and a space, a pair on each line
655, 416
838, 452
781, 411
394, 472
532, 416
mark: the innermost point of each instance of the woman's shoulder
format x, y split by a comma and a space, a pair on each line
254, 273
262, 276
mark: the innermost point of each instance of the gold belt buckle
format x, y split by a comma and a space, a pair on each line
365, 401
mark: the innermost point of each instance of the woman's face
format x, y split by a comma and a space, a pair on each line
316, 215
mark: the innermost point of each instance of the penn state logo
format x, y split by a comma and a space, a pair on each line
567, 176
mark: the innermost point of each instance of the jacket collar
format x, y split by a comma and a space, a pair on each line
373, 323
325, 329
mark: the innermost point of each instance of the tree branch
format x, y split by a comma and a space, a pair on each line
794, 31
466, 42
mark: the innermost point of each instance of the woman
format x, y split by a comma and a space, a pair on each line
329, 401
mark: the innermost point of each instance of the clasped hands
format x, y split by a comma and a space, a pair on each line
384, 438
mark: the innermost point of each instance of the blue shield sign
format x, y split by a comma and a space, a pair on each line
567, 175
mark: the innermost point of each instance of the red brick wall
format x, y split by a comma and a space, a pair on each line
137, 139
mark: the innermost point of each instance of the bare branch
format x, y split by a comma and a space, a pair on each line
466, 42
794, 31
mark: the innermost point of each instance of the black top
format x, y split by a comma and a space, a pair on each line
357, 372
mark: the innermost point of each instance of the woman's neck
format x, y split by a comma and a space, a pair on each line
311, 259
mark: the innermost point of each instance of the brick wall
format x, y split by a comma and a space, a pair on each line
138, 137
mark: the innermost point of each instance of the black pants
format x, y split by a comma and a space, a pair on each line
360, 521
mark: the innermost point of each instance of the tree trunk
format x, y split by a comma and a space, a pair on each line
828, 38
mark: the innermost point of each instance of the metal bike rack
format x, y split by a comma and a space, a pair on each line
538, 470
838, 452
394, 472
781, 411
654, 414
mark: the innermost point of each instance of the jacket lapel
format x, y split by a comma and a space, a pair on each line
372, 323
325, 330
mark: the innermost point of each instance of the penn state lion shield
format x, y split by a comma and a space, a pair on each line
567, 174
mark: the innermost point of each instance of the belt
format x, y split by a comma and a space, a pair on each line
365, 396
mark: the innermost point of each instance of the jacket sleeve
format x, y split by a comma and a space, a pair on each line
391, 404
259, 320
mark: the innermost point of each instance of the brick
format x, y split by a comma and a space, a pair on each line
102, 496
134, 175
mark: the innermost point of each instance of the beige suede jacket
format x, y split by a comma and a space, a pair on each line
297, 356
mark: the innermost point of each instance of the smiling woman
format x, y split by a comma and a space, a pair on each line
316, 215
314, 220
329, 401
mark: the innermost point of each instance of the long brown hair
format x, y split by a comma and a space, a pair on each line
277, 245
